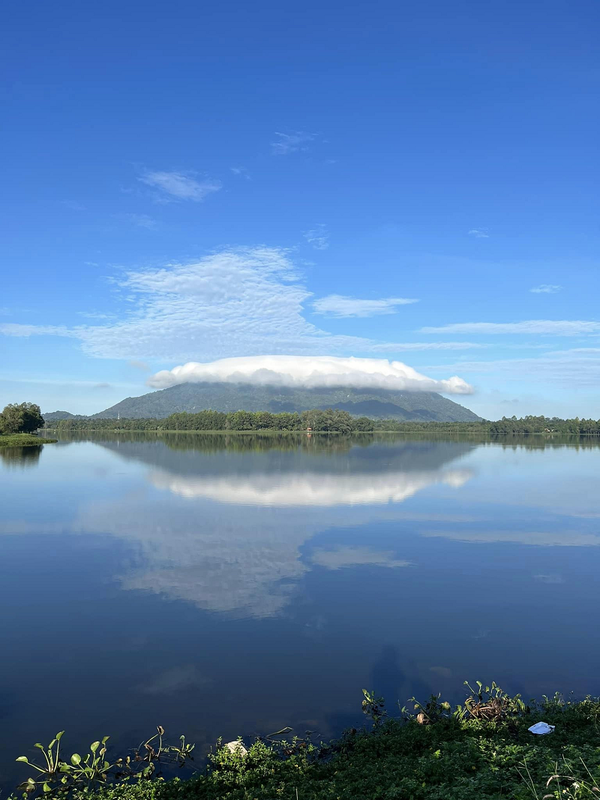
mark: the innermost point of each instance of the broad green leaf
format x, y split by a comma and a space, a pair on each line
94, 746
59, 736
24, 759
75, 759
46, 787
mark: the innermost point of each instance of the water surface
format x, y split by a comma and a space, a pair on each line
234, 585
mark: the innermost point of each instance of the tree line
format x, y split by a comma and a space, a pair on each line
326, 421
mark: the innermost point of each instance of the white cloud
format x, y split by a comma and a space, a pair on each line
234, 303
95, 315
309, 489
241, 171
540, 326
318, 237
337, 305
140, 221
179, 186
141, 365
546, 288
554, 538
574, 367
18, 330
355, 556
309, 372
294, 142
479, 233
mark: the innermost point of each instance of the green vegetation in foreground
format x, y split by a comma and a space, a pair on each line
23, 440
325, 421
480, 750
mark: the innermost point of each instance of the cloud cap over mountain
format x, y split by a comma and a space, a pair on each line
309, 372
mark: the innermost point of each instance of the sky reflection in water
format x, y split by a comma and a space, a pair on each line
232, 586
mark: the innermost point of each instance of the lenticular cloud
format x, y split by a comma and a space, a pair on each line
310, 373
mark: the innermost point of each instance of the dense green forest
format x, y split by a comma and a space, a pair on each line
327, 421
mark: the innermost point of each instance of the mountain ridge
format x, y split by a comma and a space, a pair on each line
374, 403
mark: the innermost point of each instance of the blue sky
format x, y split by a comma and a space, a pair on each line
195, 181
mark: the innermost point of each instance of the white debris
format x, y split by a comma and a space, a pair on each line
541, 728
236, 747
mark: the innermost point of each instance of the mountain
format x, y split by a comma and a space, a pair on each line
375, 403
54, 416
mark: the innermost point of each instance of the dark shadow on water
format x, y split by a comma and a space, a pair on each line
390, 681
20, 457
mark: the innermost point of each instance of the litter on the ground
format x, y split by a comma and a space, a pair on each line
541, 728
236, 747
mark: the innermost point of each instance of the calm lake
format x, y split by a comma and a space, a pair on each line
221, 586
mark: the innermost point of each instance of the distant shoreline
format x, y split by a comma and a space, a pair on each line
277, 432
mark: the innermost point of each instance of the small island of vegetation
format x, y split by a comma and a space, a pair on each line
18, 425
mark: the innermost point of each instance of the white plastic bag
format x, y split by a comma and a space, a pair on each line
541, 728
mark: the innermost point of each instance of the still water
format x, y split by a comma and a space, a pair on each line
226, 586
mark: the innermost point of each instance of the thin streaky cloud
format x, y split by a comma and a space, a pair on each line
356, 556
241, 171
24, 331
318, 237
73, 205
546, 288
479, 233
140, 221
286, 143
533, 326
175, 186
567, 367
141, 365
95, 315
336, 305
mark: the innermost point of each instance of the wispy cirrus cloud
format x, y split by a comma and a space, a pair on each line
141, 365
356, 556
533, 326
294, 142
175, 186
73, 205
242, 172
336, 305
95, 315
479, 233
546, 288
23, 331
140, 221
318, 237
570, 367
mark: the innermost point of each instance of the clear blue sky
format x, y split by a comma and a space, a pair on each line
192, 181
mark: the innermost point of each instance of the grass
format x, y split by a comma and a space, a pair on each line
23, 440
465, 755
